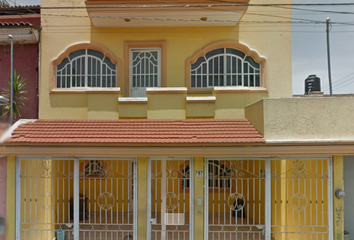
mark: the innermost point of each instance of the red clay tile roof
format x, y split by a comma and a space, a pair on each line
16, 24
192, 131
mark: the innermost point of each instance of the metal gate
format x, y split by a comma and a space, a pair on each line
71, 199
170, 194
268, 199
302, 199
234, 199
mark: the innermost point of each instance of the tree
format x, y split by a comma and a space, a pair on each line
19, 96
4, 3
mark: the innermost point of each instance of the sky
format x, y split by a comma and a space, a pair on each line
309, 46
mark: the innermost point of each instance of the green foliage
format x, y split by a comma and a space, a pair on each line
4, 3
19, 96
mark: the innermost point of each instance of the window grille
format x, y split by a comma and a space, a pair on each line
86, 68
144, 70
225, 67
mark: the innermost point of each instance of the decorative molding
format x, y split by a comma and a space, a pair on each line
133, 100
144, 44
225, 44
79, 46
210, 99
85, 90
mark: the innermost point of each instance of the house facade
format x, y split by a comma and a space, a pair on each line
163, 120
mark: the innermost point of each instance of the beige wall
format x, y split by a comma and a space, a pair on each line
66, 27
304, 118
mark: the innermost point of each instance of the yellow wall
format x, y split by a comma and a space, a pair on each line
66, 27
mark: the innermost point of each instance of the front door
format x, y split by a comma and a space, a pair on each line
145, 70
170, 207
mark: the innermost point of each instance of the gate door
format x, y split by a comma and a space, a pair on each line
302, 199
72, 199
106, 199
170, 192
44, 190
235, 199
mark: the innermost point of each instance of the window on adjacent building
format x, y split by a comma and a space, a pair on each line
219, 175
145, 70
224, 67
94, 168
86, 68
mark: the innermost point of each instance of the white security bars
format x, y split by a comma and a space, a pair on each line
253, 199
235, 199
88, 199
86, 68
300, 199
145, 70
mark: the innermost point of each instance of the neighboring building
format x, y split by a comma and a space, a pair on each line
23, 23
164, 120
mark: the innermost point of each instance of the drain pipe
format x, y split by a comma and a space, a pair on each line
12, 80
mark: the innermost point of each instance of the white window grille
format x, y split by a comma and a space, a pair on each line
86, 68
225, 67
145, 70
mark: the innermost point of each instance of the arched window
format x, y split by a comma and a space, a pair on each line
86, 68
225, 67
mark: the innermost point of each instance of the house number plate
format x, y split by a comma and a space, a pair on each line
199, 173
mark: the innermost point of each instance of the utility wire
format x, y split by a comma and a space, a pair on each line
340, 80
337, 87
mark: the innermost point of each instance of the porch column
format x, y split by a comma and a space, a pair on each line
338, 203
199, 195
10, 198
142, 200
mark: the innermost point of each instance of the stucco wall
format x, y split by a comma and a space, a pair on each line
25, 62
305, 118
182, 42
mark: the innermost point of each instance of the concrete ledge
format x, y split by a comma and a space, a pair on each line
166, 90
85, 90
239, 89
132, 100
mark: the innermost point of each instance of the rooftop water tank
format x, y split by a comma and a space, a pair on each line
312, 84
